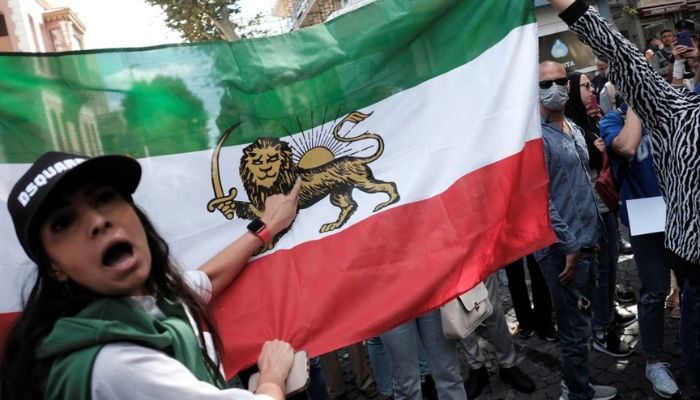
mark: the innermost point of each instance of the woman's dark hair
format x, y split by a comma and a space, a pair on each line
576, 111
50, 300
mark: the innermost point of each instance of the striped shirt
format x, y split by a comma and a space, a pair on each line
671, 117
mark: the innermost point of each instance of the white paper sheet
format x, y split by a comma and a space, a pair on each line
647, 215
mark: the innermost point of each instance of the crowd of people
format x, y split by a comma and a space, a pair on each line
111, 317
650, 131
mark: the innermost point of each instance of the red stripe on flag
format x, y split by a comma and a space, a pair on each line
6, 322
391, 267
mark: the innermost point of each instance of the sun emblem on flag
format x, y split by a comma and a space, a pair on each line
328, 163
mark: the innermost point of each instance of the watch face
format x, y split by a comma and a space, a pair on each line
256, 225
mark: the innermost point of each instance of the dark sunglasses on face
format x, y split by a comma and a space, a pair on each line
587, 85
548, 83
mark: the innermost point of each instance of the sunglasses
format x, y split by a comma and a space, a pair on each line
587, 85
548, 83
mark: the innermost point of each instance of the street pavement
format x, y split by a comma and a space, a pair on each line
540, 359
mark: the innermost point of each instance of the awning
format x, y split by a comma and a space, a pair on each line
648, 8
693, 5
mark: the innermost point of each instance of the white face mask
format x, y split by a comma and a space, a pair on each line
554, 98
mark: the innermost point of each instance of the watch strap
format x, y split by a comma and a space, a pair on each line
258, 228
264, 235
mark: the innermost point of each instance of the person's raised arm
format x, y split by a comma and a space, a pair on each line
561, 5
224, 267
627, 142
681, 54
628, 69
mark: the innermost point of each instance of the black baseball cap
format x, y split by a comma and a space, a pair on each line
55, 170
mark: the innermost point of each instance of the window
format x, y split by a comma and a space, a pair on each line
36, 39
3, 26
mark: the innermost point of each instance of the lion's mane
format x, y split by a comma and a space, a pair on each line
285, 179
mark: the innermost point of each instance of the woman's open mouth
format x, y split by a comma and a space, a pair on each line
117, 253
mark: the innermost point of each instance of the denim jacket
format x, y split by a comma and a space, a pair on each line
572, 206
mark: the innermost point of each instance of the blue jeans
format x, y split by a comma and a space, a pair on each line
604, 292
690, 328
317, 383
573, 310
655, 278
401, 343
498, 333
381, 365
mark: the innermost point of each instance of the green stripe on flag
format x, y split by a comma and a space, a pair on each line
174, 99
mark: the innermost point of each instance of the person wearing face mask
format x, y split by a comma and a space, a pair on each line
569, 264
672, 118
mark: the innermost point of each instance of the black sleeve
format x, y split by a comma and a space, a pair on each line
573, 12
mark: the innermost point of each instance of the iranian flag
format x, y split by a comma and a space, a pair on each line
413, 125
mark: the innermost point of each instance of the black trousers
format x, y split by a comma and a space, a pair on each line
537, 315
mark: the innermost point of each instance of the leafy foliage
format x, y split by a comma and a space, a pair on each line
200, 20
164, 112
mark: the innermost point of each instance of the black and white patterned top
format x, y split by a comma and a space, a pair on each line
672, 118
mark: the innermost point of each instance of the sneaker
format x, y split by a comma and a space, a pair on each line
515, 377
673, 300
661, 379
477, 380
675, 313
600, 392
611, 345
625, 246
550, 334
525, 333
623, 318
624, 294
371, 391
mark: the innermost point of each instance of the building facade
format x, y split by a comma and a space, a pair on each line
34, 26
637, 20
556, 42
640, 20
302, 13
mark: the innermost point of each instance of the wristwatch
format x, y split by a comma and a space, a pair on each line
259, 229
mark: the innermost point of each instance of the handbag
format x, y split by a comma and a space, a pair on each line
605, 185
462, 315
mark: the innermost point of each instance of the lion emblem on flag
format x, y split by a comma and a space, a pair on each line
268, 167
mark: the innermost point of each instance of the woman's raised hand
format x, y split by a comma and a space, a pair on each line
281, 209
